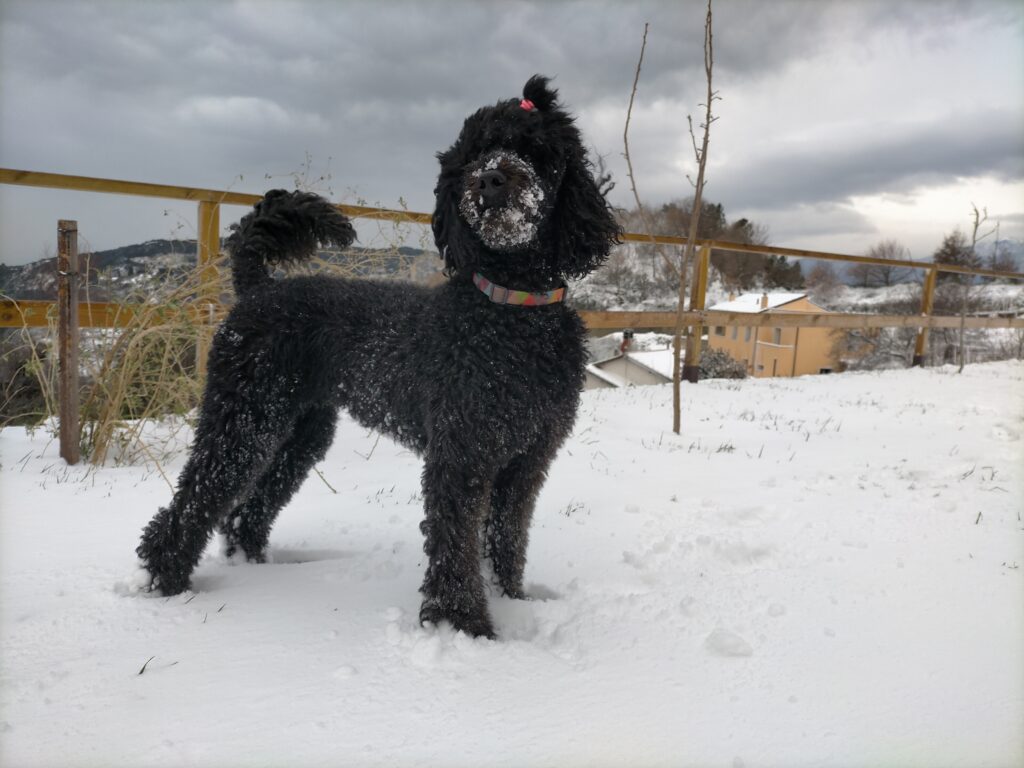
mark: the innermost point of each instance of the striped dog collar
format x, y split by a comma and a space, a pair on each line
502, 295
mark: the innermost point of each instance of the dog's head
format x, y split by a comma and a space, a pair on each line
516, 196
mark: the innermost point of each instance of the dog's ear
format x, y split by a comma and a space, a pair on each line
583, 221
449, 234
538, 91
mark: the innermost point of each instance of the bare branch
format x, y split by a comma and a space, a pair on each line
693, 139
602, 177
688, 257
629, 163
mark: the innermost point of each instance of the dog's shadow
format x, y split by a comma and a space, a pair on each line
283, 556
212, 580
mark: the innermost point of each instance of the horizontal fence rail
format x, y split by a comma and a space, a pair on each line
169, 192
226, 197
40, 314
15, 313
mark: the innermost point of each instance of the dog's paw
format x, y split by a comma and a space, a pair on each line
515, 593
165, 583
474, 623
230, 551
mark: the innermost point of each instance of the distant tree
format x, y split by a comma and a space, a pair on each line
956, 249
877, 275
881, 348
738, 270
859, 275
741, 270
822, 280
959, 290
602, 176
1001, 259
675, 217
779, 272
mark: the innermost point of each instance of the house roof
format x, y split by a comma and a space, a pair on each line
657, 362
751, 302
604, 376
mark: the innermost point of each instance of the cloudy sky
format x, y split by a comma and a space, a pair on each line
841, 123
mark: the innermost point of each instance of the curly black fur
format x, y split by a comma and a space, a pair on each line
283, 228
486, 393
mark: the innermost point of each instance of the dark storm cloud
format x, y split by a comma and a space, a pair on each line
220, 94
883, 163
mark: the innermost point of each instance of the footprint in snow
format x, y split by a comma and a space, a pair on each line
722, 642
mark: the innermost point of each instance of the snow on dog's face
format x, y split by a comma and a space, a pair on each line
516, 198
503, 200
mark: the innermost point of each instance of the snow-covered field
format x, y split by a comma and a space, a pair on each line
822, 571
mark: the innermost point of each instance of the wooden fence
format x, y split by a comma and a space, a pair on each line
15, 313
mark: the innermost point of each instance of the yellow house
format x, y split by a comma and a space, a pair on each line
775, 351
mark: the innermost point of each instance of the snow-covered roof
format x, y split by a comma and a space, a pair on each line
657, 360
751, 302
606, 377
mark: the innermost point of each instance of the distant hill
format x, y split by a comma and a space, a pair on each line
118, 273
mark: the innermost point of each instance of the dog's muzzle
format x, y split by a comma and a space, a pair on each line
503, 200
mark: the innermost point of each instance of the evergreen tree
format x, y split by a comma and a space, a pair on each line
955, 249
779, 272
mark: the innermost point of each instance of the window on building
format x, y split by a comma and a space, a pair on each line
719, 330
776, 335
746, 333
735, 330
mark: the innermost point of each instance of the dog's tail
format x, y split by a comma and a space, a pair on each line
284, 227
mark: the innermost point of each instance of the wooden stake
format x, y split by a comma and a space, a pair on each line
698, 293
927, 301
67, 338
207, 247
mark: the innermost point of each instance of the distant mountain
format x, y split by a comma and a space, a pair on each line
119, 273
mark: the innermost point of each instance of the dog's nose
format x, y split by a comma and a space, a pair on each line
492, 187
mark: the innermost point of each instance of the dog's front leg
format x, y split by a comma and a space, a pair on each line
455, 498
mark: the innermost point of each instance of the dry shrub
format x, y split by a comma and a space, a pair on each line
145, 371
28, 374
140, 385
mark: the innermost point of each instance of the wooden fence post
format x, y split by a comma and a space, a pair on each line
207, 249
67, 339
698, 293
927, 301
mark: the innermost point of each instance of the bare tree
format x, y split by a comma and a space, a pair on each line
602, 176
877, 275
823, 280
859, 274
701, 156
644, 216
967, 282
1001, 260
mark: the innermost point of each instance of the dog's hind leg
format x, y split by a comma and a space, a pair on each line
247, 528
235, 441
512, 501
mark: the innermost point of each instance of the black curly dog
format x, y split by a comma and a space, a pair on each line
481, 376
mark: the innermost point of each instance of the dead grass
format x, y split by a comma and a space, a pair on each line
144, 374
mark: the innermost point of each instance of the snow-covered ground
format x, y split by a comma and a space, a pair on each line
820, 571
